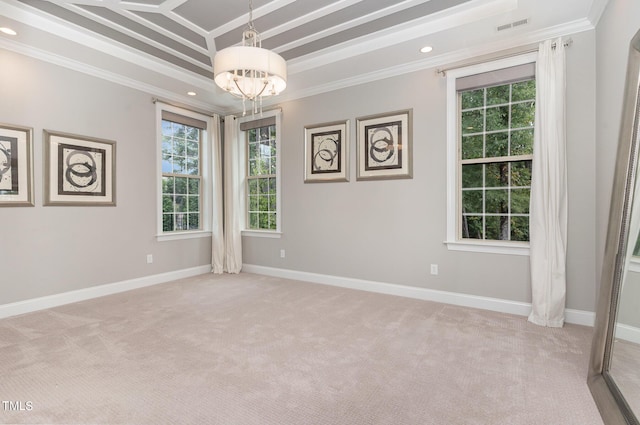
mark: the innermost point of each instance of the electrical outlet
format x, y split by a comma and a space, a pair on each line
434, 269
149, 258
282, 253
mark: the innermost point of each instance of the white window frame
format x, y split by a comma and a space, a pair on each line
453, 241
277, 233
205, 169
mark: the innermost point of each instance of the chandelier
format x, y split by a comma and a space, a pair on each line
248, 71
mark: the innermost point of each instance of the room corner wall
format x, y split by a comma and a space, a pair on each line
51, 250
392, 230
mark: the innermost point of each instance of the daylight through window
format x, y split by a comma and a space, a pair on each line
181, 176
495, 158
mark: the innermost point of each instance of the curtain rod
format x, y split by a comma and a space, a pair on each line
155, 100
443, 71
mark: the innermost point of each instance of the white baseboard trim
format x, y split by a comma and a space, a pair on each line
578, 317
41, 303
628, 333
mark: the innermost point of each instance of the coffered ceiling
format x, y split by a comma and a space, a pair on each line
166, 46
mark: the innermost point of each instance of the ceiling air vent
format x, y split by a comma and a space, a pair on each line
513, 24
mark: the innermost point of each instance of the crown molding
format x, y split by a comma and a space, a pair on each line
113, 77
401, 33
525, 41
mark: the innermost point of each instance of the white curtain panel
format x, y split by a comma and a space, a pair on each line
217, 232
233, 190
548, 220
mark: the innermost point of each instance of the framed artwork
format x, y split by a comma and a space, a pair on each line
384, 146
16, 166
79, 170
326, 152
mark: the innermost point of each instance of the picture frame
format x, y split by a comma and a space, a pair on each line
79, 170
16, 166
384, 146
326, 152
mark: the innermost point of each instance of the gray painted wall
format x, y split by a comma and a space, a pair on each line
613, 34
388, 231
50, 250
391, 231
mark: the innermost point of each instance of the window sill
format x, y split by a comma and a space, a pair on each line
262, 234
513, 248
183, 235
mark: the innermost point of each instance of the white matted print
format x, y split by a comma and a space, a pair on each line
79, 170
16, 166
326, 152
384, 146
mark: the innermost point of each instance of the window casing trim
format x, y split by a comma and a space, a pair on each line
242, 135
205, 175
453, 178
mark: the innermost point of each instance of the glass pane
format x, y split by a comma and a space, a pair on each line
472, 147
472, 227
520, 201
472, 201
181, 203
524, 90
264, 185
167, 145
193, 133
263, 220
272, 221
193, 166
272, 202
251, 134
167, 204
167, 222
497, 118
496, 201
523, 114
253, 168
181, 222
472, 175
497, 144
497, 174
178, 164
272, 169
253, 203
521, 173
253, 186
519, 228
179, 130
193, 149
253, 220
194, 186
263, 203
167, 184
497, 95
472, 98
253, 150
497, 227
272, 132
472, 121
522, 142
194, 203
272, 185
181, 185
194, 221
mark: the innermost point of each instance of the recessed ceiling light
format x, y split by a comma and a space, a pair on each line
191, 93
8, 31
426, 49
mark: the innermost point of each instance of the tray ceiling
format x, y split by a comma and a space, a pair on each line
316, 37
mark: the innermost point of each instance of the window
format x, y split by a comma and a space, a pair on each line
262, 173
183, 171
493, 154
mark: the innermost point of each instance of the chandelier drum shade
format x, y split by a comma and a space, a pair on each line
249, 71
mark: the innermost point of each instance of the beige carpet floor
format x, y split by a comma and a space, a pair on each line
248, 349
